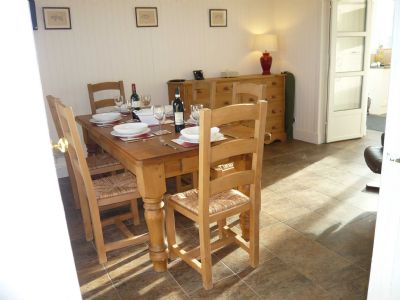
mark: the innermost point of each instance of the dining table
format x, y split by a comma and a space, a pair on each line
152, 160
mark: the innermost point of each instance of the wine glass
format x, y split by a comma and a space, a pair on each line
119, 101
146, 99
195, 112
158, 112
128, 104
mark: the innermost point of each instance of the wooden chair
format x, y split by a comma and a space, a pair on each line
103, 192
98, 164
254, 92
215, 200
104, 86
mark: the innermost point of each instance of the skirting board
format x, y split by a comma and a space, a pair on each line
306, 136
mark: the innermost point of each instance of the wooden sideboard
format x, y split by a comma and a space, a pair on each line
273, 91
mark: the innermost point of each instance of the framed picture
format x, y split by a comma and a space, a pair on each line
218, 18
56, 18
146, 17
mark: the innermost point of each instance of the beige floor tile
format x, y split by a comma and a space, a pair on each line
238, 260
231, 288
283, 209
190, 280
345, 213
309, 199
149, 285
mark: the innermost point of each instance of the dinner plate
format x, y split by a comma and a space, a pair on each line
215, 138
103, 123
194, 134
117, 134
130, 128
106, 117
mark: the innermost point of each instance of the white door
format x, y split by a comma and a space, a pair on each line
348, 66
385, 271
35, 251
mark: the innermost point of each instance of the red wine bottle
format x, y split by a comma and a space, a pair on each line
178, 111
135, 98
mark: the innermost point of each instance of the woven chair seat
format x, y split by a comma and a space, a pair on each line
101, 160
115, 185
217, 203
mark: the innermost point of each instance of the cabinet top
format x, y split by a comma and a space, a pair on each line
227, 79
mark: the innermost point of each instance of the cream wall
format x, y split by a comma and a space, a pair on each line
105, 45
300, 27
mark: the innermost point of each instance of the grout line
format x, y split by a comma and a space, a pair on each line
173, 278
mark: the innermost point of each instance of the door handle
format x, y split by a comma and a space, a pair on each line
61, 146
397, 160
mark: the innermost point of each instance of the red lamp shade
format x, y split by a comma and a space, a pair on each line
269, 42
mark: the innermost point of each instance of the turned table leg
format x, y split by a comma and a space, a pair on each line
151, 183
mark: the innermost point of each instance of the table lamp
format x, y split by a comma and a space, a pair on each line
267, 43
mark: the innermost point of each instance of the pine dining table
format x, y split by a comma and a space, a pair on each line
152, 161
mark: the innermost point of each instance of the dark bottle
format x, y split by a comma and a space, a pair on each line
178, 111
135, 98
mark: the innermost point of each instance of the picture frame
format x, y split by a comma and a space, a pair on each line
218, 17
56, 18
146, 16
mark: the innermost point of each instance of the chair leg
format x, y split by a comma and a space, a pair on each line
170, 229
221, 230
205, 255
195, 180
135, 212
254, 237
178, 183
98, 237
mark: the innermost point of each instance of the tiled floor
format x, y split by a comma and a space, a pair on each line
317, 231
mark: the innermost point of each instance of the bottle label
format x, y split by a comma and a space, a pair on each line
178, 118
135, 104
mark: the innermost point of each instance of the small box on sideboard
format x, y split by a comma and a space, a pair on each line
274, 92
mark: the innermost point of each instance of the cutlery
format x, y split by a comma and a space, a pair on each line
169, 145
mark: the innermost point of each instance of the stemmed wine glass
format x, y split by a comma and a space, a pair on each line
195, 112
158, 112
119, 101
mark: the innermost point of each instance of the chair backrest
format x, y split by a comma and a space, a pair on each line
51, 100
210, 154
206, 87
76, 154
252, 89
104, 86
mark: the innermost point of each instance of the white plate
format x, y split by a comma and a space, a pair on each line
114, 133
103, 123
215, 138
193, 132
106, 109
130, 128
106, 117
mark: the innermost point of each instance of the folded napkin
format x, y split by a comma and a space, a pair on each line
184, 144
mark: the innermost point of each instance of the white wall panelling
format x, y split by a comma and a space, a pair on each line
105, 44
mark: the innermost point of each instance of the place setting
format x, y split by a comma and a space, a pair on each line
130, 132
190, 137
107, 119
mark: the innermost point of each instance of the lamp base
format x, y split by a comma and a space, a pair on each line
266, 62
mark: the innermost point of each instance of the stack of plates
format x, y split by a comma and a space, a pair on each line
106, 118
129, 130
192, 135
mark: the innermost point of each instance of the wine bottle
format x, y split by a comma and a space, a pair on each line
178, 111
135, 98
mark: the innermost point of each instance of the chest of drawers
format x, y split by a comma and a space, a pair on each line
273, 91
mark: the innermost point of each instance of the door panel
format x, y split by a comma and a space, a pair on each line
349, 39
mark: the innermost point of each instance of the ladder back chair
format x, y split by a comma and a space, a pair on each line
217, 199
103, 86
103, 192
98, 163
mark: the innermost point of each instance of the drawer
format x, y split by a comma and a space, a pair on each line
275, 108
274, 94
274, 124
246, 98
224, 88
275, 81
223, 100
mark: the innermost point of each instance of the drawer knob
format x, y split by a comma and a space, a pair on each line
273, 83
273, 111
273, 97
226, 103
251, 100
273, 127
226, 88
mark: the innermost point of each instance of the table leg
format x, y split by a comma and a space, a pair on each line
91, 146
151, 183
